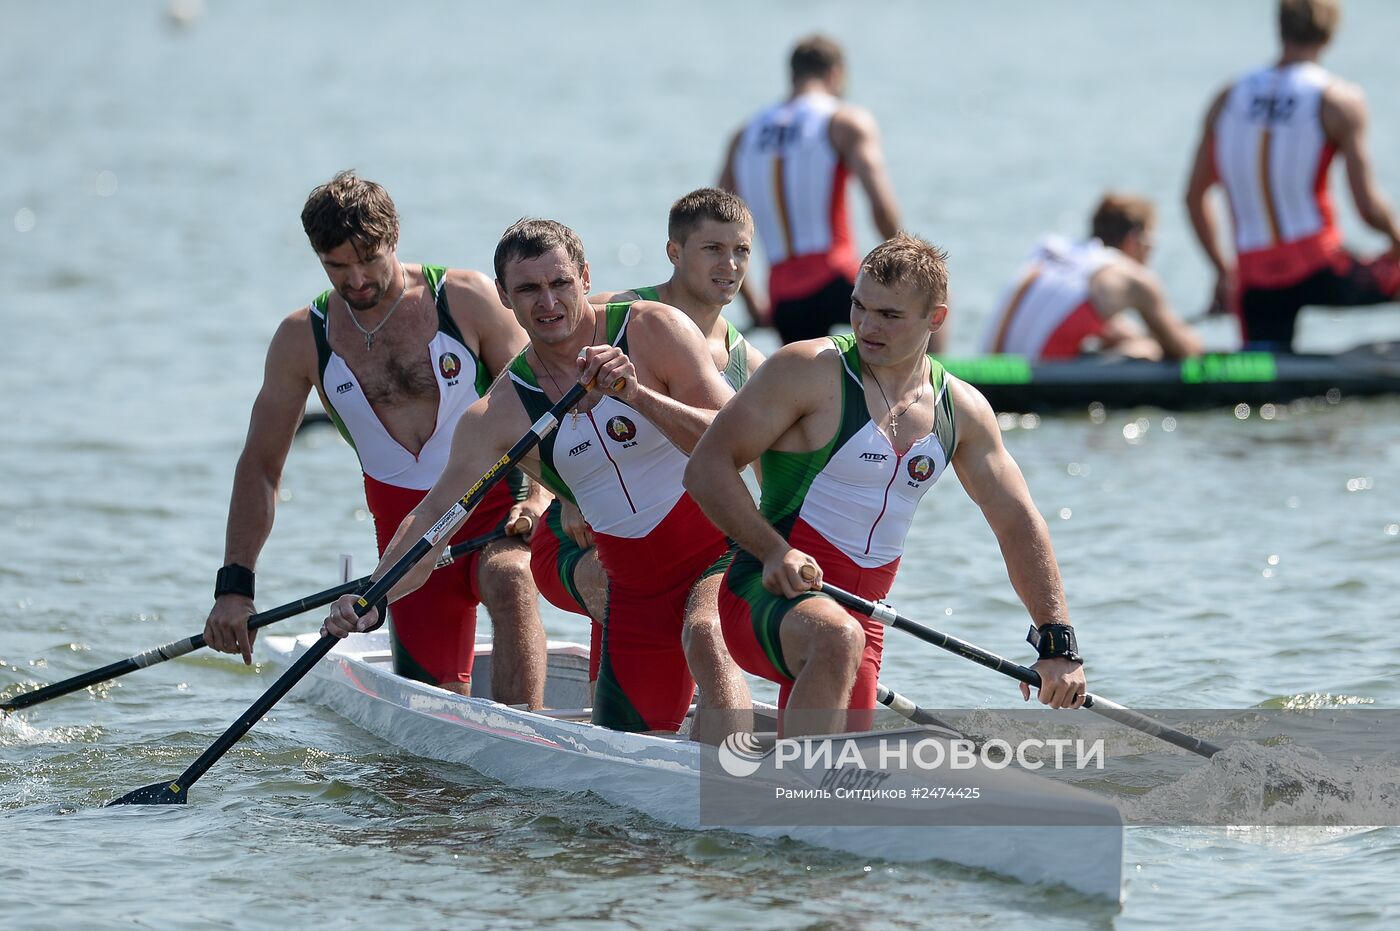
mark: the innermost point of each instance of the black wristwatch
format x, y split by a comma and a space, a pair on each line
1055, 641
234, 579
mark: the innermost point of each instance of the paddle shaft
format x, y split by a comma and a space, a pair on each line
906, 707
1111, 710
178, 790
189, 644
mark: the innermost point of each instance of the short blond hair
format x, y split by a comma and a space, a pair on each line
1308, 22
905, 259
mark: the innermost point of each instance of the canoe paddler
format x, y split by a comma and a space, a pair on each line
709, 242
852, 431
619, 456
396, 353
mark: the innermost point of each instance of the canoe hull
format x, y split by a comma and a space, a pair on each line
662, 777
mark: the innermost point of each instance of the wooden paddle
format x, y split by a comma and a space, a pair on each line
189, 644
174, 792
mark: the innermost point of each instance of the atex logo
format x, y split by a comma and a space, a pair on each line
580, 447
341, 389
874, 457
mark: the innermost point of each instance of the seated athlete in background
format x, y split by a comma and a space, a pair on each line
1072, 298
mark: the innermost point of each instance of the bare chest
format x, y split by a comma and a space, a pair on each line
397, 370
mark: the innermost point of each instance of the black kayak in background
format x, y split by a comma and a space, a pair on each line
1014, 384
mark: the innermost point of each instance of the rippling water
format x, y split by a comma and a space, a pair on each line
150, 245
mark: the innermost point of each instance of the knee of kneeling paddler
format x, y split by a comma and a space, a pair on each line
504, 577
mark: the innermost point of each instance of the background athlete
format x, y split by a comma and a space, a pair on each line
1070, 298
852, 431
790, 163
396, 352
1269, 139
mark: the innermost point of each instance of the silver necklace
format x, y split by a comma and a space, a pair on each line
894, 418
545, 365
369, 334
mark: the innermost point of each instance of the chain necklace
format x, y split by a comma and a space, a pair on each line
369, 334
894, 418
545, 365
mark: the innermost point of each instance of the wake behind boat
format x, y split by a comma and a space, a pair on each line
1015, 384
666, 777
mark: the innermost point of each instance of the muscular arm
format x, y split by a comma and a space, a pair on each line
786, 389
1344, 119
856, 136
287, 379
994, 482
1202, 213
677, 355
1125, 284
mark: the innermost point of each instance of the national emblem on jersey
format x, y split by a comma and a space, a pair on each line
621, 429
449, 365
920, 468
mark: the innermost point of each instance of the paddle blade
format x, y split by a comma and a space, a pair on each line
157, 793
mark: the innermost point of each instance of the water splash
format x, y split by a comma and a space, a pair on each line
15, 731
1255, 784
1314, 701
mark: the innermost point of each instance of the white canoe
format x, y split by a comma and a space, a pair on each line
1054, 834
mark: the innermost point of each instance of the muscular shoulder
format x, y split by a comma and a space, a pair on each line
803, 363
293, 343
1217, 104
653, 320
850, 124
1343, 108
469, 290
1123, 283
609, 297
973, 414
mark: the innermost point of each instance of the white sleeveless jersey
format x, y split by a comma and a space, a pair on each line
617, 466
1272, 153
863, 501
461, 380
624, 474
791, 176
1044, 307
856, 491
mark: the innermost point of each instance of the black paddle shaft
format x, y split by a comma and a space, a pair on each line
1111, 710
189, 644
174, 793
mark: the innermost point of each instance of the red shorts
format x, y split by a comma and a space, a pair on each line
751, 615
433, 630
643, 680
554, 557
